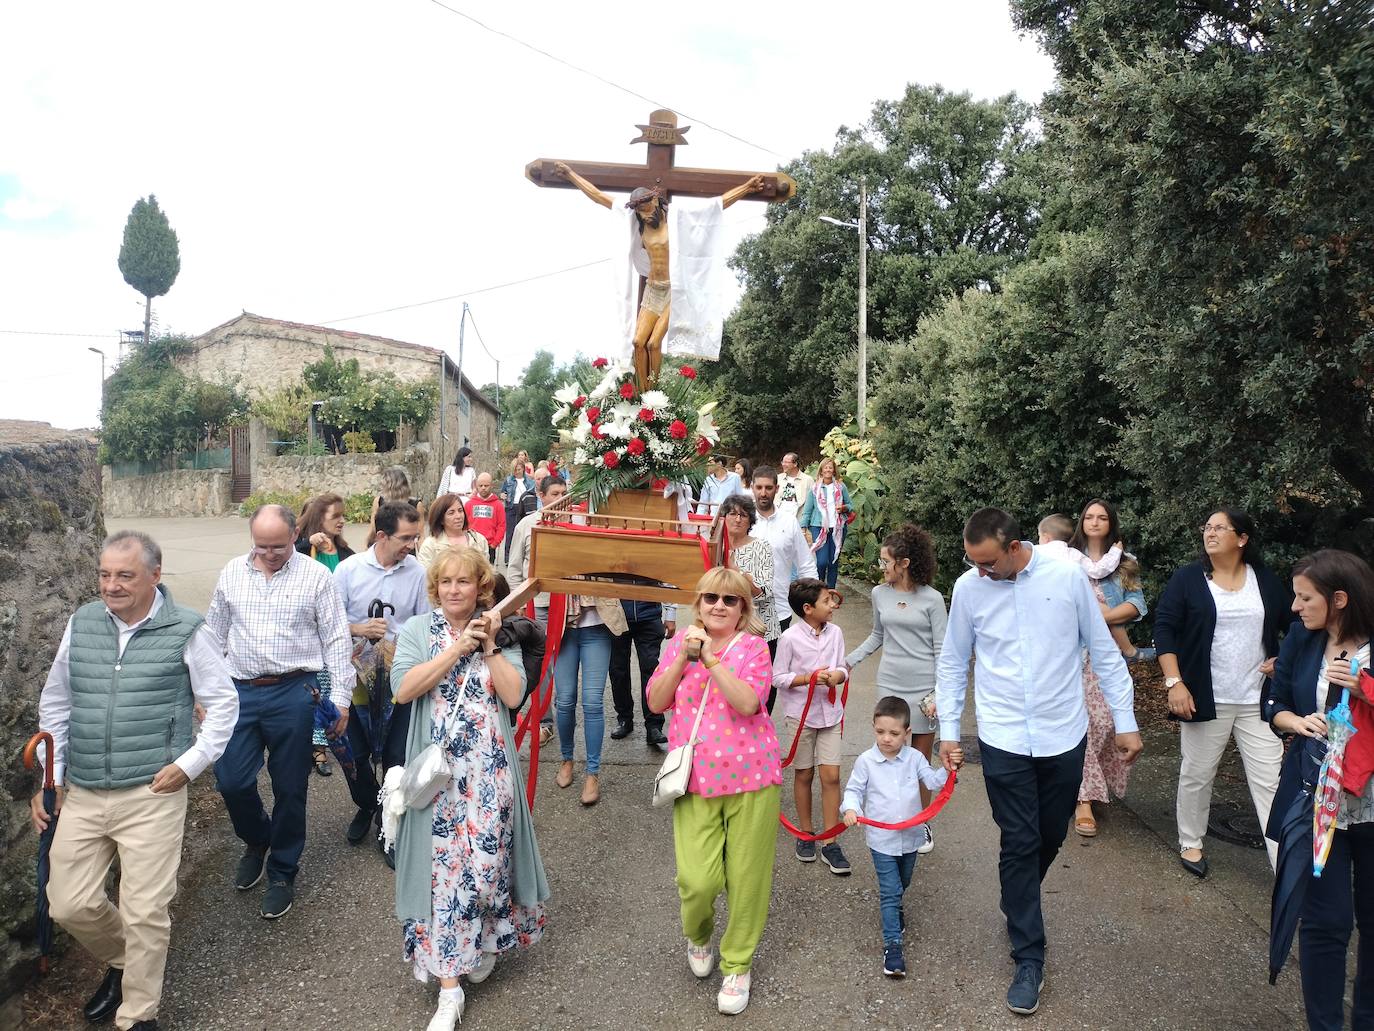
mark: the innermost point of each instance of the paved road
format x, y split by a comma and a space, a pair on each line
1134, 941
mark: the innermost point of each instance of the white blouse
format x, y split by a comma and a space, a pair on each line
1238, 643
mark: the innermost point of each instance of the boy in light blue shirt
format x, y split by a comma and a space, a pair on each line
885, 785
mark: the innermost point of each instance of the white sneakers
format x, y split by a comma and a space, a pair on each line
927, 846
449, 1013
734, 994
484, 968
701, 958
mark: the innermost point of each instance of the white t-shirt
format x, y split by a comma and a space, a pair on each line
1238, 643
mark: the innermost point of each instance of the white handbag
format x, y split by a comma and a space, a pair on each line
424, 777
670, 783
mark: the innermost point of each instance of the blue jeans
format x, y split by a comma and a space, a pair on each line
278, 718
894, 877
1341, 899
827, 559
590, 648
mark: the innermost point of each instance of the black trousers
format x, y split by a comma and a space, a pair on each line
783, 624
647, 637
1341, 899
1032, 799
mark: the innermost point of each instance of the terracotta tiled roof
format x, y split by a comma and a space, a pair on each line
432, 352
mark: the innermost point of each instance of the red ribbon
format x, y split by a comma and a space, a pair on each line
810, 693
924, 816
540, 699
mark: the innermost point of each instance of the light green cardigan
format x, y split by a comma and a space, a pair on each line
415, 840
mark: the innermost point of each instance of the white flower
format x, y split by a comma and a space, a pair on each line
567, 394
610, 382
580, 457
561, 414
617, 429
625, 412
582, 431
655, 399
706, 426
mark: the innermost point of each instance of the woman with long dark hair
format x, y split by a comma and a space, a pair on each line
1217, 629
1334, 599
319, 534
460, 477
1105, 773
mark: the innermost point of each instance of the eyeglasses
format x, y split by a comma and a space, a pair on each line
884, 562
986, 567
730, 600
1215, 528
409, 538
737, 514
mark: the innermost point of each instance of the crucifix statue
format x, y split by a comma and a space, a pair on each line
660, 304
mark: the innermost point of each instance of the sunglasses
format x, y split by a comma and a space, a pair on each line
730, 600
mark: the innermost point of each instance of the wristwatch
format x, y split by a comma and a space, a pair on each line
1171, 682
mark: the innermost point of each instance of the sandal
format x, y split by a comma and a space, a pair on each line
322, 766
1086, 826
545, 734
565, 775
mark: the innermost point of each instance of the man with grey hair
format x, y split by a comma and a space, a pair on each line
793, 486
280, 621
118, 703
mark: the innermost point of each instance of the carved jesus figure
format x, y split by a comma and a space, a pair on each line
651, 325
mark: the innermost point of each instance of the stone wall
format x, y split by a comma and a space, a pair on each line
50, 528
341, 474
183, 492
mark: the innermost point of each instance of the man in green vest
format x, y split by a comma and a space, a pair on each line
118, 703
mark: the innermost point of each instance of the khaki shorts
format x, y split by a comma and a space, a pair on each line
819, 746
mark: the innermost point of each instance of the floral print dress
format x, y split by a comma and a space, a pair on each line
472, 910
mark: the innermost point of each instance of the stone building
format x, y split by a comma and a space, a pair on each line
267, 353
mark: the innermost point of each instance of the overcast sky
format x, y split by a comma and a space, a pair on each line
321, 160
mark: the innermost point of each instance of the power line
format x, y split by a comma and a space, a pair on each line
50, 333
473, 319
469, 293
609, 82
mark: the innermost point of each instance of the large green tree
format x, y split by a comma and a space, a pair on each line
953, 188
527, 408
1221, 150
149, 257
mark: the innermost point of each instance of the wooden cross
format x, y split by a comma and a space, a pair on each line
663, 136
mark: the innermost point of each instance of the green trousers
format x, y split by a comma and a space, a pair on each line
726, 843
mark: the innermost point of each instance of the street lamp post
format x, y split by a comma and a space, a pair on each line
862, 227
102, 380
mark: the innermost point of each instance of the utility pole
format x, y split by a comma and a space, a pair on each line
462, 323
863, 305
98, 351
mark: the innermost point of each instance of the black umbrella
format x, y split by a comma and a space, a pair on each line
44, 844
379, 703
1293, 873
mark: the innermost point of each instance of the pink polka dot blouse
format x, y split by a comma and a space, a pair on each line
734, 753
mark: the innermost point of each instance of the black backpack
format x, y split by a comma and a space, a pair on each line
529, 502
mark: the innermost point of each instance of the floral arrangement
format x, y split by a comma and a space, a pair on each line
625, 438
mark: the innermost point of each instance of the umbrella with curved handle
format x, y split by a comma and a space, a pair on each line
45, 928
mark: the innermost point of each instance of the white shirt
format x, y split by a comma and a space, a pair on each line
458, 482
792, 492
1028, 635
294, 620
889, 791
792, 556
210, 684
1238, 642
361, 579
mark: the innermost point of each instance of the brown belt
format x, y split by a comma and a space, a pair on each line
277, 678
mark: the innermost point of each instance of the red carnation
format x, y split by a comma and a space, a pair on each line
646, 415
678, 430
580, 400
658, 484
703, 446
688, 372
635, 446
627, 390
597, 433
593, 413
600, 363
611, 459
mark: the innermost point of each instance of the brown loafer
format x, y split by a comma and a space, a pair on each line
591, 790
564, 778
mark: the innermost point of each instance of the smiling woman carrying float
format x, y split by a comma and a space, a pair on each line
725, 827
469, 880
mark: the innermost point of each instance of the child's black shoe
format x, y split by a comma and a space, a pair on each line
833, 856
806, 851
894, 964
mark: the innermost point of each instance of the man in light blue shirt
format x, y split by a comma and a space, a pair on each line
1027, 620
387, 572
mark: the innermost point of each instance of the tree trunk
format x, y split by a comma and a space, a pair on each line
147, 318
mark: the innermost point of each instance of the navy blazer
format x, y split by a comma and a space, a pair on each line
1186, 619
1294, 690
